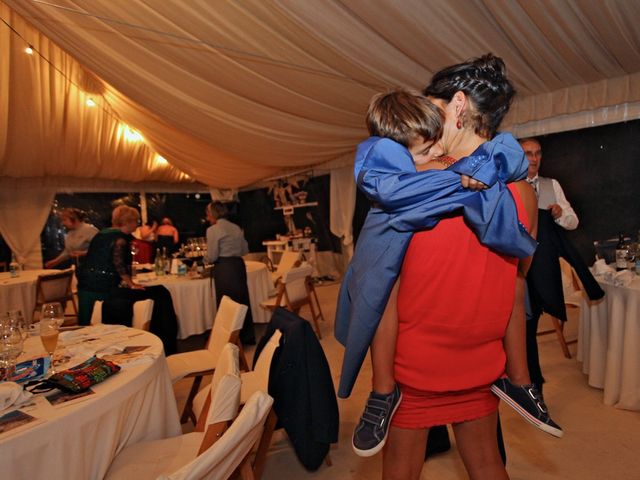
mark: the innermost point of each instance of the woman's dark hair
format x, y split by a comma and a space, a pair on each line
484, 80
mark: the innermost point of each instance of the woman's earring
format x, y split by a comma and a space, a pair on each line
459, 124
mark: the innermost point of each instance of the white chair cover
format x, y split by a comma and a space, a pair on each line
221, 459
287, 261
157, 459
229, 318
142, 311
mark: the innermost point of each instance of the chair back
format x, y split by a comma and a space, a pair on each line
263, 364
227, 364
55, 287
142, 311
295, 285
220, 460
288, 260
229, 319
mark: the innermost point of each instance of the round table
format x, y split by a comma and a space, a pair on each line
260, 286
193, 301
20, 292
609, 343
81, 438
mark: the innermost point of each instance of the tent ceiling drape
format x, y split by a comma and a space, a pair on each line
234, 92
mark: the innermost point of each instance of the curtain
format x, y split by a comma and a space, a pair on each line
23, 214
342, 204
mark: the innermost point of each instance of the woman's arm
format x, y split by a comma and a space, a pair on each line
120, 248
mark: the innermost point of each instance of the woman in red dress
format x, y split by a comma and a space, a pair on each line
456, 297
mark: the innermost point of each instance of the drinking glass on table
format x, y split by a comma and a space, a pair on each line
53, 311
17, 319
49, 330
11, 344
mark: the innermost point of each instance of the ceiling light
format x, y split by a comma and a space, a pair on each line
90, 103
129, 133
161, 161
29, 50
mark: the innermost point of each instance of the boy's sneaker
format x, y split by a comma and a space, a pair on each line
371, 432
528, 402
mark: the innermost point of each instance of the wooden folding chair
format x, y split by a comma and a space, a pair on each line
198, 363
558, 325
56, 287
294, 291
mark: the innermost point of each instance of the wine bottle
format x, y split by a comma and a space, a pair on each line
621, 254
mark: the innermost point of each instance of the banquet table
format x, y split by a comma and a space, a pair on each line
79, 439
20, 292
609, 343
193, 301
194, 298
260, 287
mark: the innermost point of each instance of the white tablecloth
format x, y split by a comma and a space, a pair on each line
609, 344
20, 292
193, 301
79, 440
260, 286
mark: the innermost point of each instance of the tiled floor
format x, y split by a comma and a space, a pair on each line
600, 442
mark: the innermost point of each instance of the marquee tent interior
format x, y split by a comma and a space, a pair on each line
226, 94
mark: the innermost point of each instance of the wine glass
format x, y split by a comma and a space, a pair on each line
53, 311
49, 331
11, 344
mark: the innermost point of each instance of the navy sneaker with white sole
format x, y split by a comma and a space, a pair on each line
528, 402
371, 432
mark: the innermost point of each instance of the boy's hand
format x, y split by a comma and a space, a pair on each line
472, 183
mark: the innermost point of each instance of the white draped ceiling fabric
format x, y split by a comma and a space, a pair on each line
233, 92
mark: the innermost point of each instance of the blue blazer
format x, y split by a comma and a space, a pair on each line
406, 201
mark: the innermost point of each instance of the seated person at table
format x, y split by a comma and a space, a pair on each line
106, 275
78, 238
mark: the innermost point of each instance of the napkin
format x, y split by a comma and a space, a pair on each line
600, 267
623, 278
12, 396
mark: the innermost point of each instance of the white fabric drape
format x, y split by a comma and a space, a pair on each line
233, 92
23, 214
342, 204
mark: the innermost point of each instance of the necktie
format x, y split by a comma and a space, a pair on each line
534, 183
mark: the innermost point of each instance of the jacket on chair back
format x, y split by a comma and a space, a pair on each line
300, 383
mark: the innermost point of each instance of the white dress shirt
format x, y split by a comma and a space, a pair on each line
225, 239
568, 220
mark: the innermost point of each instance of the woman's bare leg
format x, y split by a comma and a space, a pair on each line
478, 447
383, 346
403, 455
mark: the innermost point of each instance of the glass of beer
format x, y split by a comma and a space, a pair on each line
49, 331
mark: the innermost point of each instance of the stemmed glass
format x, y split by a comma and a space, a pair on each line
49, 331
11, 344
17, 319
53, 311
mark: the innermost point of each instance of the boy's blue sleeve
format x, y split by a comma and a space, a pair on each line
509, 161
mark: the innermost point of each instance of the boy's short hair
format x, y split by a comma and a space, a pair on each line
403, 115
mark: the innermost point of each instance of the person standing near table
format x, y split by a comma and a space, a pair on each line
544, 280
78, 238
225, 247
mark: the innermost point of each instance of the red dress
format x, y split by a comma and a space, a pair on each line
454, 303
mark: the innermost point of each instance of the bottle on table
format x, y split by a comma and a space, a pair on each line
14, 266
158, 266
621, 254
